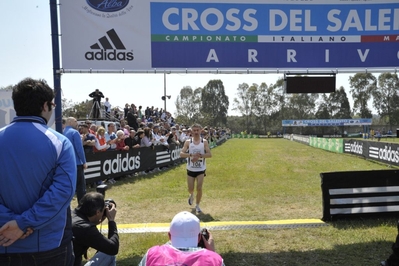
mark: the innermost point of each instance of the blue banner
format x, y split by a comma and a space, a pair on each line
269, 35
274, 19
327, 122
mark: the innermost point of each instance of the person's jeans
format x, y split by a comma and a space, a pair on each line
61, 256
80, 182
101, 259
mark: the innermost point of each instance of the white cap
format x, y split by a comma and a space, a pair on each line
184, 230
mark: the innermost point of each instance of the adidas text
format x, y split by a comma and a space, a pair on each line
112, 55
356, 148
388, 155
119, 165
175, 154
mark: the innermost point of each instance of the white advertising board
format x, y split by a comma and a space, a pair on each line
145, 35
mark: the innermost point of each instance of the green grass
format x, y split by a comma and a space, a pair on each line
257, 180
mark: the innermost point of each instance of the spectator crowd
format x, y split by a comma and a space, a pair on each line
136, 128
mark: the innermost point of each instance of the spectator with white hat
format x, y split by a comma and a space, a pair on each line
184, 235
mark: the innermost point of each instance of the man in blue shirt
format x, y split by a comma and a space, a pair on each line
73, 135
110, 136
38, 178
88, 139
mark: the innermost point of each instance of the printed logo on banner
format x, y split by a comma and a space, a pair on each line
93, 169
165, 157
356, 147
107, 47
119, 164
175, 155
108, 5
384, 154
162, 157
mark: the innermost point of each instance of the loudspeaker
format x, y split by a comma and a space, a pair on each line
310, 84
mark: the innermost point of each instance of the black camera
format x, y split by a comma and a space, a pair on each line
108, 204
205, 233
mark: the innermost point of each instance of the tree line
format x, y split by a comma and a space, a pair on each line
263, 107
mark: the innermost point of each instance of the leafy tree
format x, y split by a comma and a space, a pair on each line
241, 103
334, 106
67, 107
77, 110
302, 106
362, 85
281, 100
266, 104
386, 97
246, 102
340, 101
215, 103
324, 108
188, 104
236, 124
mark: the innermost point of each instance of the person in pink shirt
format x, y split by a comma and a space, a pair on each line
183, 249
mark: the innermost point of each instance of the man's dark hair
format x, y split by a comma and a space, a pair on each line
29, 95
91, 203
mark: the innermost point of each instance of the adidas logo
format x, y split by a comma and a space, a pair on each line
108, 47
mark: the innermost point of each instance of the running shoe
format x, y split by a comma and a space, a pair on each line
197, 208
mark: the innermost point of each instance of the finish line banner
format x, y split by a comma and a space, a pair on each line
139, 35
326, 122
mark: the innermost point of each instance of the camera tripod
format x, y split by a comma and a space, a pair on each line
95, 110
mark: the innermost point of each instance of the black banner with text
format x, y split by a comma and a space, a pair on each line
111, 164
380, 151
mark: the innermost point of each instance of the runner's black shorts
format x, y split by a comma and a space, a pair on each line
195, 174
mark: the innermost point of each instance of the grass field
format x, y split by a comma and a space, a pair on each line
257, 180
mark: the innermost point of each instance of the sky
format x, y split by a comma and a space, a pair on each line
26, 51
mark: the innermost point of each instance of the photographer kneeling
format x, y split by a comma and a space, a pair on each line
93, 210
185, 247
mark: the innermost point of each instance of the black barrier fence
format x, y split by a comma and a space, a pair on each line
360, 194
379, 151
113, 164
